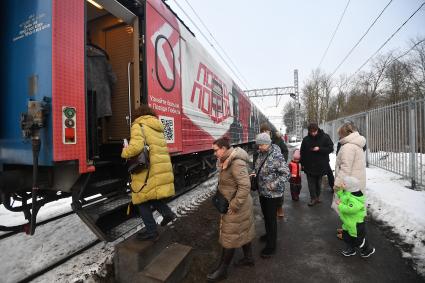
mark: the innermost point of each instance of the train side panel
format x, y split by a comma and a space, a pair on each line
68, 88
26, 75
162, 43
43, 56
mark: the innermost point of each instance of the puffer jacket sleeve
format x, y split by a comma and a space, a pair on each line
240, 174
344, 164
136, 142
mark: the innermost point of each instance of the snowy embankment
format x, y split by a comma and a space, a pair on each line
391, 201
22, 255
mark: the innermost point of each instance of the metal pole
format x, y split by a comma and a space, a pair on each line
297, 107
412, 142
367, 139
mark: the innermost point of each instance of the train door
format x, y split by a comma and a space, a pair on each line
112, 74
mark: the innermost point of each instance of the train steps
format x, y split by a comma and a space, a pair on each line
148, 261
107, 218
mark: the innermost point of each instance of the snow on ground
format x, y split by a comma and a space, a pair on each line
391, 201
8, 218
57, 239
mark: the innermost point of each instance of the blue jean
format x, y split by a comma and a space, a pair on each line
146, 213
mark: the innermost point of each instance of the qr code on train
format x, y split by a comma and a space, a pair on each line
168, 123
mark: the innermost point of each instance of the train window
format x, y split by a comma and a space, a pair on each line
217, 96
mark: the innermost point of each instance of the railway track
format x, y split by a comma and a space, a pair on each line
59, 262
10, 234
181, 204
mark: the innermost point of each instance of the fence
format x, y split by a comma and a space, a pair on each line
394, 138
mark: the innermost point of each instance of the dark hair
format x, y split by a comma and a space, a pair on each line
222, 142
313, 127
143, 110
265, 127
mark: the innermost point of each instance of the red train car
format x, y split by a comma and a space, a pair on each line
77, 130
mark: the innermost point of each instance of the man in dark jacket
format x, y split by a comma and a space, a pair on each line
315, 150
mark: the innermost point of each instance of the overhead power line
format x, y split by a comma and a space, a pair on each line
408, 51
212, 45
218, 44
382, 46
333, 35
358, 42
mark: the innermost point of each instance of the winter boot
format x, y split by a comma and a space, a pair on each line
268, 252
168, 218
221, 272
367, 252
247, 260
349, 251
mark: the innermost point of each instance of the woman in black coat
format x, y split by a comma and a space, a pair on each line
315, 150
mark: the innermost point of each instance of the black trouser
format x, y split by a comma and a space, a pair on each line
268, 207
356, 242
314, 185
295, 190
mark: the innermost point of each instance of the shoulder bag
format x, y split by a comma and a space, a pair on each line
254, 179
141, 161
220, 202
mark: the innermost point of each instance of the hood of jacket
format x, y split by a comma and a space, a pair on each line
354, 138
233, 154
150, 121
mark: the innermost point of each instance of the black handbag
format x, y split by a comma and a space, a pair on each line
220, 202
254, 183
141, 161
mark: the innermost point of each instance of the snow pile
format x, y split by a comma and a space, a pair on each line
390, 201
49, 210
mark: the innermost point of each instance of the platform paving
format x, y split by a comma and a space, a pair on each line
308, 249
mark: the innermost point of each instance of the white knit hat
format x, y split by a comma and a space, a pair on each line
351, 184
263, 138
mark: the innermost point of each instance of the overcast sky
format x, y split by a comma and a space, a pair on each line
268, 39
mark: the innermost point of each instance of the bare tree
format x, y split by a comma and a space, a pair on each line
289, 116
316, 96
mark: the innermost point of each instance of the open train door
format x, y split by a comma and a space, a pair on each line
114, 30
113, 40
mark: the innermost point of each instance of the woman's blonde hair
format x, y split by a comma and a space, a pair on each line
346, 129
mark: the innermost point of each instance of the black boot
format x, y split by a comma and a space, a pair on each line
247, 260
221, 272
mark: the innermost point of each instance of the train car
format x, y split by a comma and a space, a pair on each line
73, 72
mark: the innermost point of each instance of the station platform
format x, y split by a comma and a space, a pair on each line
307, 247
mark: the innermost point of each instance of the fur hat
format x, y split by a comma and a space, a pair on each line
351, 184
296, 155
263, 138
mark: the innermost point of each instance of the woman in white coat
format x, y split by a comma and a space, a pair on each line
350, 160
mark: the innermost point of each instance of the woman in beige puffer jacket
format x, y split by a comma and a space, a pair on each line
237, 225
350, 160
